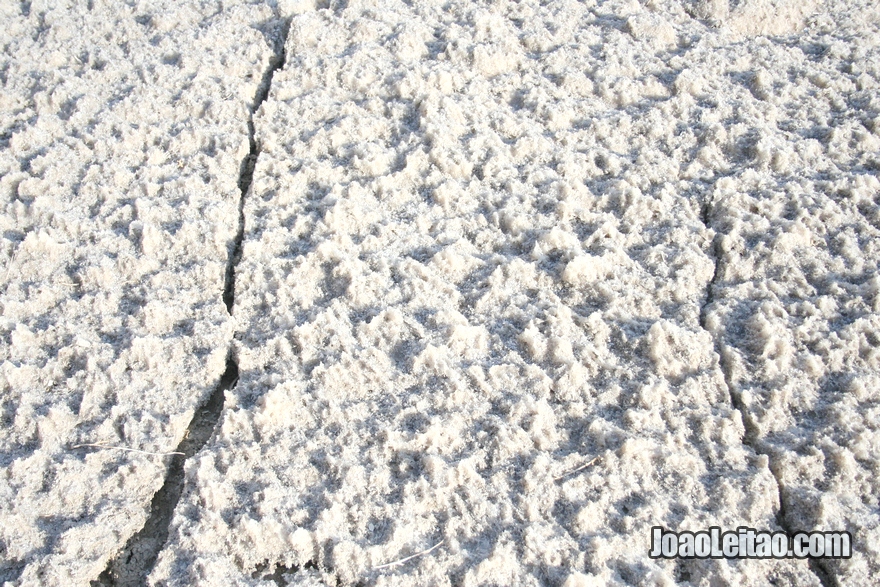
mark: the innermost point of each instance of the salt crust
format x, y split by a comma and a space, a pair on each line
475, 260
122, 128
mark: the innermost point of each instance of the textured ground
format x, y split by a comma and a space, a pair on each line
504, 285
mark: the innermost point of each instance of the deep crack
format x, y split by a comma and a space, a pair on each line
134, 563
246, 172
751, 436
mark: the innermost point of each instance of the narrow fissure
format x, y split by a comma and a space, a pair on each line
246, 172
136, 560
131, 567
750, 438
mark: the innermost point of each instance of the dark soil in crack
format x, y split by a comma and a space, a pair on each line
281, 575
131, 567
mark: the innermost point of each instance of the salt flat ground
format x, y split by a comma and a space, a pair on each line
436, 293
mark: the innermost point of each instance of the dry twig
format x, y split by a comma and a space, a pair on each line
573, 471
125, 448
409, 558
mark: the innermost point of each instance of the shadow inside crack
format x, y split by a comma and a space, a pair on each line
281, 574
246, 171
133, 564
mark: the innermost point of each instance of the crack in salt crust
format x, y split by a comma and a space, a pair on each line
121, 129
513, 282
473, 262
750, 437
136, 560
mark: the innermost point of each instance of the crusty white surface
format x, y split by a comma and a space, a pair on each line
123, 128
475, 260
513, 274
